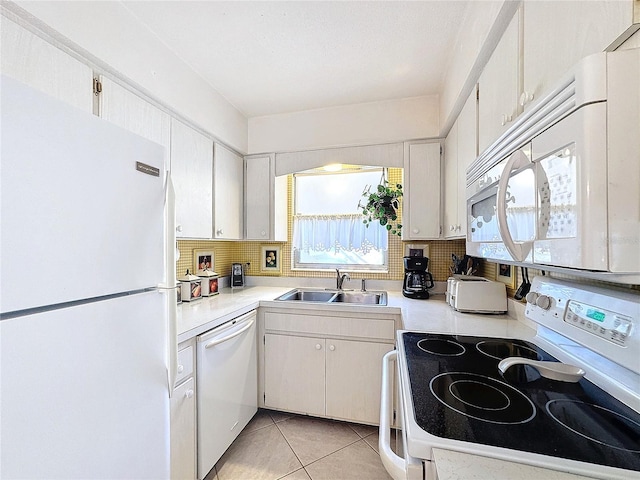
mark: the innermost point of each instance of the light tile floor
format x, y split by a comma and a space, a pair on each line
276, 445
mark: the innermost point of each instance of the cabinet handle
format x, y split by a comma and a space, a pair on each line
318, 346
451, 228
219, 232
506, 119
416, 230
180, 368
178, 228
525, 98
332, 347
263, 233
188, 394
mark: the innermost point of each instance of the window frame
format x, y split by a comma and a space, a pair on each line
296, 265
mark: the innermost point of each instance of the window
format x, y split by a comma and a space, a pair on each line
328, 231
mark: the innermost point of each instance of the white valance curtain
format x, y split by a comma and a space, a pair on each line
337, 232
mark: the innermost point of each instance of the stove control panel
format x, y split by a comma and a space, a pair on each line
611, 326
604, 320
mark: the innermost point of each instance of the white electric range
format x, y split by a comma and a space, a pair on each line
584, 419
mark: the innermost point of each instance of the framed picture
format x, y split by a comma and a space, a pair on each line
416, 250
506, 274
202, 259
270, 260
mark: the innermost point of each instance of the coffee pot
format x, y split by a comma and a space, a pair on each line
417, 280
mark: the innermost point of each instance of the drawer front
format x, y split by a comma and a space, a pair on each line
185, 364
383, 329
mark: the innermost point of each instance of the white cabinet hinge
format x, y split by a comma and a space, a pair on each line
97, 87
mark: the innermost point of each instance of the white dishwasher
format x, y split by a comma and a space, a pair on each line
227, 373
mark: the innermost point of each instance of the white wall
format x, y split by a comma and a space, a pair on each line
359, 124
109, 32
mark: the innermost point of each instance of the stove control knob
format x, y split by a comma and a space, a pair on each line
543, 302
531, 297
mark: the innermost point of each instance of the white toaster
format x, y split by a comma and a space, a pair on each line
476, 294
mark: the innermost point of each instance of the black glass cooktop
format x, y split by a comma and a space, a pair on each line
459, 393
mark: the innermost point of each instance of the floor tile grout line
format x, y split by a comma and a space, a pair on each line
327, 455
290, 447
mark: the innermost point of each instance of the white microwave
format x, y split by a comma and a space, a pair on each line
561, 188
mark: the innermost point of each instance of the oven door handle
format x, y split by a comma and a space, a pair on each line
396, 466
520, 250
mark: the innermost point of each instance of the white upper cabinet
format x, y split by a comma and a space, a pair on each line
460, 150
35, 62
192, 174
543, 41
421, 201
558, 34
467, 153
228, 187
451, 183
499, 87
265, 200
127, 110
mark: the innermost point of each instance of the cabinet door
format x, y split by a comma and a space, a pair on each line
258, 197
294, 374
228, 181
183, 431
499, 87
192, 174
421, 201
127, 110
558, 34
467, 152
354, 379
35, 62
451, 182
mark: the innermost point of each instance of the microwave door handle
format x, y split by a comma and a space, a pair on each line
518, 251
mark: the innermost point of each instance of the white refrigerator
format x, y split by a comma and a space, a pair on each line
87, 304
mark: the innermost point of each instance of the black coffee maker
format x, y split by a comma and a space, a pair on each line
416, 278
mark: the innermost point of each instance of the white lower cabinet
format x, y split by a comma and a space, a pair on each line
294, 373
327, 366
183, 418
354, 379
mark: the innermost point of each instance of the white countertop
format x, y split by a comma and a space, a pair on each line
432, 315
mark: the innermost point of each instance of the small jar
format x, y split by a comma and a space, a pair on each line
209, 282
191, 287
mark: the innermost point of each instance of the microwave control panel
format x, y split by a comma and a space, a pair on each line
609, 325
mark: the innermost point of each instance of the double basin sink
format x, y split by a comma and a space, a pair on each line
335, 296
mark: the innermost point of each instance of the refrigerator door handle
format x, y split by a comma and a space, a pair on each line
172, 340
170, 286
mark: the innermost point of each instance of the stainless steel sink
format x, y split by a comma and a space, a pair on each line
335, 296
308, 295
368, 298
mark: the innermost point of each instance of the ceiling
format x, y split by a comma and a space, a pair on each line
275, 57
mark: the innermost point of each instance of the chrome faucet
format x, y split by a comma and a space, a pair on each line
341, 278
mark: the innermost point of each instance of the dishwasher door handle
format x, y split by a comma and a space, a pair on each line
220, 340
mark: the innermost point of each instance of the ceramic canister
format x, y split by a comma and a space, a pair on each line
191, 287
209, 282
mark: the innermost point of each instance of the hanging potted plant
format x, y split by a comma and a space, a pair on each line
382, 205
